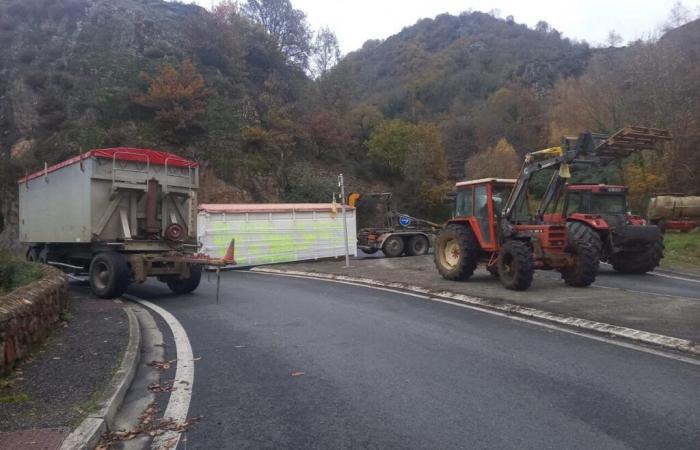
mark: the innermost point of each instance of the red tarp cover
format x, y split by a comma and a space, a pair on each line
123, 154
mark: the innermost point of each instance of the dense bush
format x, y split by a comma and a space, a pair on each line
15, 273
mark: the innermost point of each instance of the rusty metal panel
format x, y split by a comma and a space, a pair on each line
275, 233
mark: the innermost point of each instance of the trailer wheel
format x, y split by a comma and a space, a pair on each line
186, 285
393, 246
585, 245
417, 245
370, 251
516, 266
642, 262
457, 252
109, 275
32, 254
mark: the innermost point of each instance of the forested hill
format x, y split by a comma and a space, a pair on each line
445, 69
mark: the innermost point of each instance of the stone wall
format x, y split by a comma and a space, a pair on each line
27, 315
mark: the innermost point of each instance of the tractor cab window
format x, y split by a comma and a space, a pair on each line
575, 203
608, 204
500, 197
481, 211
464, 203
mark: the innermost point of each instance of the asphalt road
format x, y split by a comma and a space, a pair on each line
658, 282
303, 364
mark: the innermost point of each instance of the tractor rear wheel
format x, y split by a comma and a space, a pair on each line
457, 252
641, 262
393, 246
585, 246
417, 245
516, 267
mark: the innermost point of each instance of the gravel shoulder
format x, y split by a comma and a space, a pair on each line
663, 314
59, 384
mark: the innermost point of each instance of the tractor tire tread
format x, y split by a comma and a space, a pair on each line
470, 251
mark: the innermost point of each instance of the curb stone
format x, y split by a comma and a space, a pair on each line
667, 342
88, 433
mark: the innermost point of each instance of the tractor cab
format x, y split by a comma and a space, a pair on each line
609, 202
479, 202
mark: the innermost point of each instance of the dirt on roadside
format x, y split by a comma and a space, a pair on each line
61, 380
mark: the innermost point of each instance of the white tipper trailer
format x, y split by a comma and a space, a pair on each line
118, 214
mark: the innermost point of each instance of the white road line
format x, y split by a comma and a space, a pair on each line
674, 277
618, 343
665, 275
656, 294
179, 403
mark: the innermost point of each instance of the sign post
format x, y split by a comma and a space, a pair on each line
341, 184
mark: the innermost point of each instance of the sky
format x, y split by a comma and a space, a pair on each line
356, 21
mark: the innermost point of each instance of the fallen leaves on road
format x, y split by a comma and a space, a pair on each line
297, 374
162, 365
149, 426
166, 386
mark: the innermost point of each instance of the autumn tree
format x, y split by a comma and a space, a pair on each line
499, 161
178, 97
287, 27
413, 156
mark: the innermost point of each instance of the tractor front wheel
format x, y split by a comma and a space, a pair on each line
457, 252
641, 262
584, 245
516, 267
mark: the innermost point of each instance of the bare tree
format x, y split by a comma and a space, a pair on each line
326, 52
614, 39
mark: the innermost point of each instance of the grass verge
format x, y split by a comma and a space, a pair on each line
682, 251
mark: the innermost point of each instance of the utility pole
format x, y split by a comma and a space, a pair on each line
341, 184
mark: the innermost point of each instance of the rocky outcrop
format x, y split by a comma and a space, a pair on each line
27, 315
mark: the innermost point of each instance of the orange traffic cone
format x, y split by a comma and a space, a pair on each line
229, 257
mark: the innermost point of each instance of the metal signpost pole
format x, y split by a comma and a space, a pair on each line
345, 220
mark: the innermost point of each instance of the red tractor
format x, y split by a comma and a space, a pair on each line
511, 247
625, 241
495, 224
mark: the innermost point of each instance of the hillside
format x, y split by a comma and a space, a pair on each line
407, 114
453, 69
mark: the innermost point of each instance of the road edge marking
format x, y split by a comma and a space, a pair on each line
179, 402
509, 309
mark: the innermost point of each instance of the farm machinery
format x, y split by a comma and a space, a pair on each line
383, 228
495, 225
625, 241
674, 211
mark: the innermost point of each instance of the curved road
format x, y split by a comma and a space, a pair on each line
302, 364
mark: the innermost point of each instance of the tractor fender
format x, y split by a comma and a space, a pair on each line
596, 222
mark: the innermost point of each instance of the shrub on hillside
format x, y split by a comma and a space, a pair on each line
15, 273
